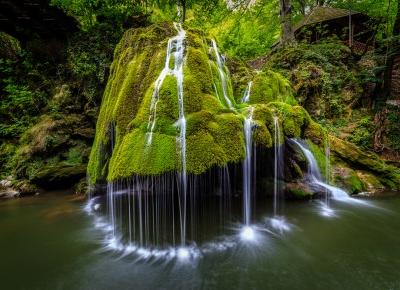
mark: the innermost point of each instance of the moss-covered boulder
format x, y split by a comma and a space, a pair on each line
364, 161
350, 167
214, 129
140, 102
9, 46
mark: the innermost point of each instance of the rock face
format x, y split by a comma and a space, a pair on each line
214, 107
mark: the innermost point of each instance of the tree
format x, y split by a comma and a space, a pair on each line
286, 21
396, 26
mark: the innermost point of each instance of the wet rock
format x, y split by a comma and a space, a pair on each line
59, 176
298, 190
26, 188
348, 179
7, 190
82, 187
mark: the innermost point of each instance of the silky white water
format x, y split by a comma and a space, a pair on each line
314, 177
278, 159
181, 140
247, 92
247, 168
222, 75
175, 46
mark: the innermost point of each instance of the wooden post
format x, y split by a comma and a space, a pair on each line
350, 30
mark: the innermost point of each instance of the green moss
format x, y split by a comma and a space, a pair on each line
9, 46
134, 156
316, 133
262, 136
386, 174
300, 193
214, 133
294, 118
355, 183
268, 87
319, 156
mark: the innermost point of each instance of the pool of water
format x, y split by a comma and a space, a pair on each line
50, 242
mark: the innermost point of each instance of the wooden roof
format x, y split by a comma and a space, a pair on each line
321, 14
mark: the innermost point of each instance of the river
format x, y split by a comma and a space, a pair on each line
50, 242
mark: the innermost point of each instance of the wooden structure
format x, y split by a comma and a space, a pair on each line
350, 26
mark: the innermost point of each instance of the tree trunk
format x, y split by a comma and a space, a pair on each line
396, 27
393, 52
286, 22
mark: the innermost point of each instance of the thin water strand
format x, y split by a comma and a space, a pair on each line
247, 173
247, 92
222, 75
277, 163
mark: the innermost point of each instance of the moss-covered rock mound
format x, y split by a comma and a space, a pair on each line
214, 131
139, 101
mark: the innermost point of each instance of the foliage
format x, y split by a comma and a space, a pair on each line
20, 101
246, 32
89, 55
363, 133
322, 75
91, 12
393, 118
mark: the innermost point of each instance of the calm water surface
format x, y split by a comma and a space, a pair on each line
49, 242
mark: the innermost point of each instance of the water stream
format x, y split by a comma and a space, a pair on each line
247, 92
315, 178
278, 164
222, 74
247, 166
175, 46
178, 72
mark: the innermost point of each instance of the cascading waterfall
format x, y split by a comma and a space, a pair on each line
278, 154
178, 72
110, 185
278, 222
175, 46
222, 75
247, 173
327, 148
140, 225
314, 176
174, 43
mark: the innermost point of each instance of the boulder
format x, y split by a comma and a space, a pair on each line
59, 176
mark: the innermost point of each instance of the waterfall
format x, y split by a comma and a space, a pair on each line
327, 166
174, 43
222, 75
247, 173
246, 95
178, 72
278, 158
315, 178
